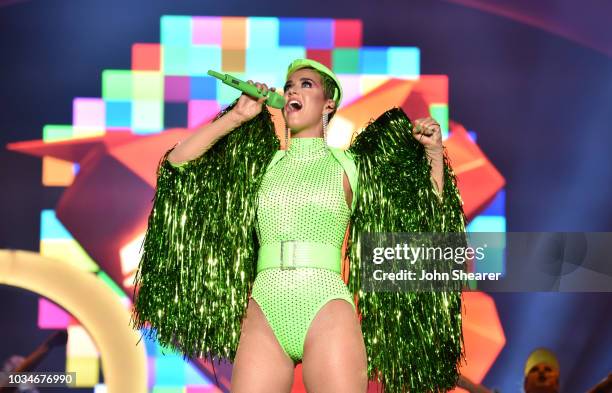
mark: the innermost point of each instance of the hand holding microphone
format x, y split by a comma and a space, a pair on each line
255, 95
248, 107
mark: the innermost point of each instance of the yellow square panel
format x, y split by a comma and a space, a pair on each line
80, 344
87, 370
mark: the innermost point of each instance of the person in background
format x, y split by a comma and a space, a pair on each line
20, 364
541, 372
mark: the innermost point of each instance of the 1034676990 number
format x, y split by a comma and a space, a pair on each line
38, 379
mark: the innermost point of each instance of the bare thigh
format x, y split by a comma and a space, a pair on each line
260, 365
334, 352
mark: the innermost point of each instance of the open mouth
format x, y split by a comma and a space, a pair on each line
293, 106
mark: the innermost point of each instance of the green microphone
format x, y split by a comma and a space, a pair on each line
274, 100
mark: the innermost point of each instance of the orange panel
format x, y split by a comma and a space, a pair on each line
434, 88
478, 180
146, 57
483, 336
378, 101
233, 33
429, 89
149, 151
58, 173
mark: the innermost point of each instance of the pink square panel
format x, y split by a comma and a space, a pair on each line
199, 111
206, 30
51, 316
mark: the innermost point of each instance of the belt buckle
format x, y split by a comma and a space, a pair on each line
288, 247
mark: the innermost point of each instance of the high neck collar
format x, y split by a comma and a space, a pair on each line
302, 148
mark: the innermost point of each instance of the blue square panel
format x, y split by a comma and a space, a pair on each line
175, 115
203, 58
320, 34
51, 227
494, 262
487, 224
176, 30
262, 33
118, 113
404, 61
292, 31
169, 370
496, 207
203, 88
373, 60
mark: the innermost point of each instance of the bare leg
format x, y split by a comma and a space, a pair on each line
260, 365
334, 352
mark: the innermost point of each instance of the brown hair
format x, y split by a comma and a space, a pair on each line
329, 88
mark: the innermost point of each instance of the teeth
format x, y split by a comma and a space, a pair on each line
295, 104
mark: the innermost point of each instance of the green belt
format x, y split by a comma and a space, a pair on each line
291, 254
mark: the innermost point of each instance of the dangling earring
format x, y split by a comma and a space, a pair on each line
286, 137
325, 117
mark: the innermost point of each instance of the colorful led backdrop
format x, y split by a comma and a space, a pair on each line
106, 158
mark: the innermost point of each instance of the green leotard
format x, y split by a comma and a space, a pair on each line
301, 198
247, 219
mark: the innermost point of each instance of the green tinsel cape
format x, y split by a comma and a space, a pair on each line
200, 251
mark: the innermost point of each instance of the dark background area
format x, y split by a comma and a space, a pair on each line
541, 105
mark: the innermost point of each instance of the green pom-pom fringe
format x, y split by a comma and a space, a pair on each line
413, 339
200, 251
199, 259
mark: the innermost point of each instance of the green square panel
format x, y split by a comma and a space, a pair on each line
52, 132
168, 389
440, 113
203, 58
345, 61
166, 350
117, 84
176, 60
225, 94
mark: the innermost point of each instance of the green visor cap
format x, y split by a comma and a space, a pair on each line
303, 63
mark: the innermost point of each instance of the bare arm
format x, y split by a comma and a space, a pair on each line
208, 134
203, 138
428, 132
436, 160
470, 386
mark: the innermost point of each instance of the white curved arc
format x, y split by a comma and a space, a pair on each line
93, 304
